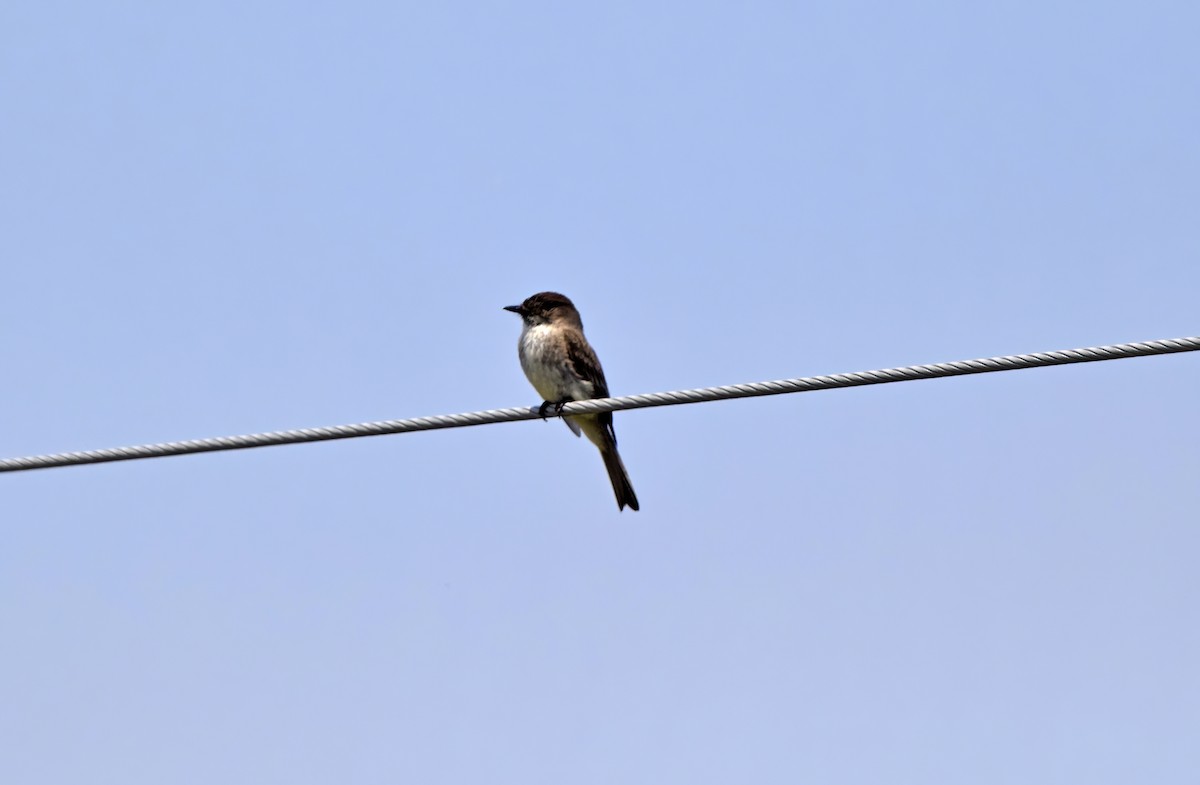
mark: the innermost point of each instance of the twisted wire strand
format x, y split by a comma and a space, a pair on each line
805, 384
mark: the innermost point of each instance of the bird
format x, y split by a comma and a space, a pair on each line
562, 367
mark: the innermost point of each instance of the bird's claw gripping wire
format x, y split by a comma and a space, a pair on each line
558, 407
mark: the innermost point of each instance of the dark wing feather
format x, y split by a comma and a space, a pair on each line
586, 366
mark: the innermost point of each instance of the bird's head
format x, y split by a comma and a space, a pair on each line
546, 308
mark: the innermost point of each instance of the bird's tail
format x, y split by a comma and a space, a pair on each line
619, 477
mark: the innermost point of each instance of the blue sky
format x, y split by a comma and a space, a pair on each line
225, 218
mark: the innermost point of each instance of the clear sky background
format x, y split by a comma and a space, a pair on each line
229, 217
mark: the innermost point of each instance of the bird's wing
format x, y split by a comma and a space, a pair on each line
586, 367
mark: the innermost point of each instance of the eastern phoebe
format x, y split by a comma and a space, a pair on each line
562, 367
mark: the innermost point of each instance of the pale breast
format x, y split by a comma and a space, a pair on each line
544, 360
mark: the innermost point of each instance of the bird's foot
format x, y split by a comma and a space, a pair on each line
558, 407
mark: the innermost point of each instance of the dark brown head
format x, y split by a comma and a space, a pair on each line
546, 308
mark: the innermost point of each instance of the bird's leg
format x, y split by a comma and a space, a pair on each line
558, 407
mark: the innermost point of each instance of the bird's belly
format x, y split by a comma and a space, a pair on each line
545, 364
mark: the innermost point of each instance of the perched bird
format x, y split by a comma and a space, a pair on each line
561, 366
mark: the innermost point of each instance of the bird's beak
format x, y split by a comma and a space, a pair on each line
518, 310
